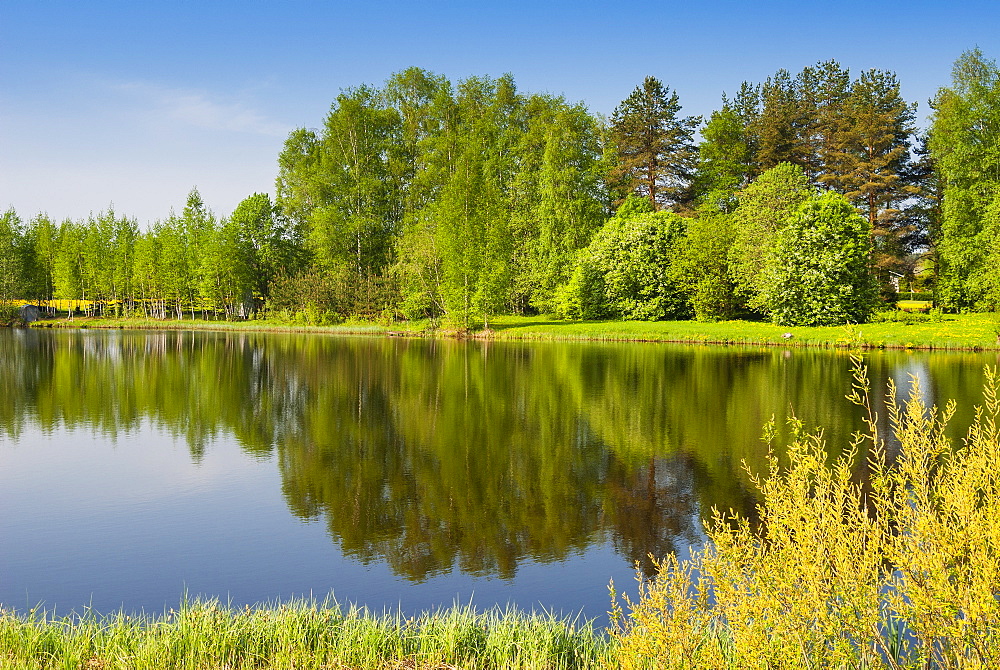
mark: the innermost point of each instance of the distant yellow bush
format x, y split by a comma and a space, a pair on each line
896, 568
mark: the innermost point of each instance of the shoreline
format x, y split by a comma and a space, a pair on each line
967, 332
302, 634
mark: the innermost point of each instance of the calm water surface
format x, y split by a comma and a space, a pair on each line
137, 466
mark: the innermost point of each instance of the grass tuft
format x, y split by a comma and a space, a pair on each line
301, 634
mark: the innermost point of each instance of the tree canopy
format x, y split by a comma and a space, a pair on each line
457, 201
654, 151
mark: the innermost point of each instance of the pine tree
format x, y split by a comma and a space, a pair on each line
919, 222
824, 90
871, 163
653, 146
780, 124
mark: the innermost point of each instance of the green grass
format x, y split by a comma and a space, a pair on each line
966, 331
949, 332
301, 634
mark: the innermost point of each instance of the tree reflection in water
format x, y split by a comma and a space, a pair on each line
442, 455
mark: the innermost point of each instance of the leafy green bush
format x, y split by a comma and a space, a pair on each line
625, 272
819, 274
712, 298
10, 315
583, 296
702, 269
765, 206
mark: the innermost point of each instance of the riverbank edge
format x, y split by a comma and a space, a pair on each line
969, 332
303, 634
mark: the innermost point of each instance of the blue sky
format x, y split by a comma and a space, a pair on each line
134, 103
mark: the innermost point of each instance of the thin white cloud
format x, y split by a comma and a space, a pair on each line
202, 110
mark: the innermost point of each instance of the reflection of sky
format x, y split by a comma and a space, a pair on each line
913, 369
136, 524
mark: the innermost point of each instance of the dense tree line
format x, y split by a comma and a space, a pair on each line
187, 261
461, 201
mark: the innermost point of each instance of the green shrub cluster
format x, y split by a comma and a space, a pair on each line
627, 271
10, 315
819, 275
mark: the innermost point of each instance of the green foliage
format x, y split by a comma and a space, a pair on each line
10, 315
780, 122
902, 316
631, 257
311, 295
419, 272
765, 206
582, 297
965, 145
848, 135
471, 218
725, 159
510, 190
465, 201
174, 273
267, 244
11, 256
872, 150
353, 209
91, 260
702, 270
41, 237
633, 206
560, 204
653, 146
819, 274
67, 263
983, 286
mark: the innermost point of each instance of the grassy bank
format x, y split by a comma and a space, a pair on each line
965, 331
948, 332
301, 635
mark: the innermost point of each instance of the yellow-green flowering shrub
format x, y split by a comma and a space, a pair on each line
892, 566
